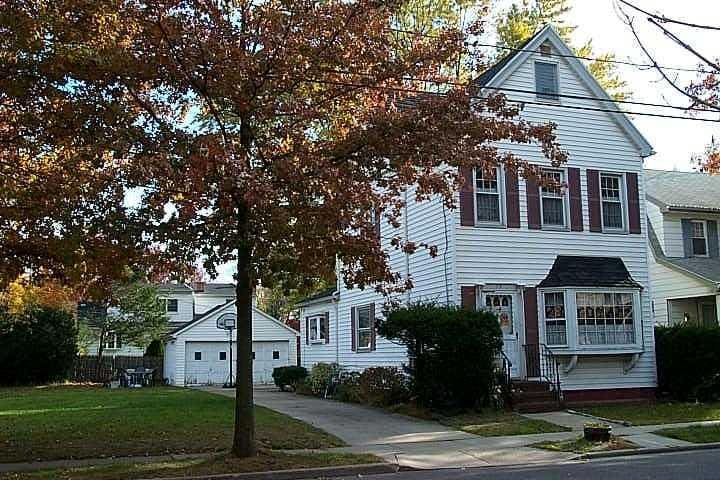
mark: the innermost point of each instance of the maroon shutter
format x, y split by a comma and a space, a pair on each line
467, 298
533, 203
575, 194
326, 321
372, 326
376, 221
512, 199
467, 198
633, 199
353, 328
593, 184
532, 336
307, 330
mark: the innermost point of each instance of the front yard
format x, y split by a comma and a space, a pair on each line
50, 423
658, 413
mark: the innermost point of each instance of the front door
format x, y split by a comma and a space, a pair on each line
505, 306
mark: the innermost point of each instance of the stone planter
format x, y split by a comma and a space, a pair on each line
597, 433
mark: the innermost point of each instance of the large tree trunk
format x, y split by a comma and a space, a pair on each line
244, 438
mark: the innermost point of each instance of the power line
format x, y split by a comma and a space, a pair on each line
533, 92
561, 55
664, 19
573, 107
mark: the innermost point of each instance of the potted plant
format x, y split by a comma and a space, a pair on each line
597, 432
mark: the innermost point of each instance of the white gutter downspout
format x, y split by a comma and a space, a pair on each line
336, 303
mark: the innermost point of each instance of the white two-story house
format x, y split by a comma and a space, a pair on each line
566, 270
683, 212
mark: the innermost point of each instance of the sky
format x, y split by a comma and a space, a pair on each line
675, 141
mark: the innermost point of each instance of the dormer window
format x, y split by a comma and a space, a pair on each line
546, 80
699, 239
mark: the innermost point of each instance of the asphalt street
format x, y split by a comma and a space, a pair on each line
695, 465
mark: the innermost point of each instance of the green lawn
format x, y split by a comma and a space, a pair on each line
580, 445
486, 423
47, 423
697, 434
658, 413
181, 468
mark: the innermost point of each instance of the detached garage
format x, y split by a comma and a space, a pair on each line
199, 353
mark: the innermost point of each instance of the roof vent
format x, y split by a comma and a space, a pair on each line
545, 50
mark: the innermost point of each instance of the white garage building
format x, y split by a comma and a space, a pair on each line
198, 352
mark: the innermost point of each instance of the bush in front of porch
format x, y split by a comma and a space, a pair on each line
688, 362
443, 342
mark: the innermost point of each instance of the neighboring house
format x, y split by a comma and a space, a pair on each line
196, 350
565, 270
683, 213
198, 353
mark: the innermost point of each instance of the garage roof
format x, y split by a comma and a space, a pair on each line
218, 308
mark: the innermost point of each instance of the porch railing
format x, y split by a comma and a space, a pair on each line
503, 373
541, 362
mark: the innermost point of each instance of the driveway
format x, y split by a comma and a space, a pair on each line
356, 425
404, 440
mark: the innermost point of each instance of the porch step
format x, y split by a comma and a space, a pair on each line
534, 397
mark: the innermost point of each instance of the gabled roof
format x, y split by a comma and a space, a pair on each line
326, 294
224, 306
683, 191
701, 268
173, 288
224, 289
497, 74
577, 271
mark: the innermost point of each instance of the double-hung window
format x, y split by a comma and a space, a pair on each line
546, 81
318, 329
364, 328
699, 238
553, 199
612, 200
555, 322
488, 194
170, 304
112, 340
605, 318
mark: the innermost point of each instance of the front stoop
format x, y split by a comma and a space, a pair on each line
534, 397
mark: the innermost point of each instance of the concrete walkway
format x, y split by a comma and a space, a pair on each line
404, 440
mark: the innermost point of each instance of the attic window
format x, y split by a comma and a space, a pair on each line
546, 80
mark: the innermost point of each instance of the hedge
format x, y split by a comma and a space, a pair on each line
36, 346
452, 352
688, 362
289, 376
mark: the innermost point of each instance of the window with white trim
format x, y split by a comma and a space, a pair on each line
546, 81
555, 322
612, 201
112, 341
699, 238
488, 195
364, 328
605, 318
552, 200
170, 305
318, 328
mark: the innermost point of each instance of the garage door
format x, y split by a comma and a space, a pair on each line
207, 363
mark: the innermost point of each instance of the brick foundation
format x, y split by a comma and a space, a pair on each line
611, 395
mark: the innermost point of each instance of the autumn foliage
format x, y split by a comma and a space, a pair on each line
263, 133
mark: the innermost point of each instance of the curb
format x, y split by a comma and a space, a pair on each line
648, 451
322, 472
